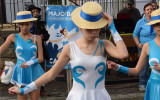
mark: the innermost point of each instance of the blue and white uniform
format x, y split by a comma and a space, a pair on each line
25, 51
88, 75
153, 85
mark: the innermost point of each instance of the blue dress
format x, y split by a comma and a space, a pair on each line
153, 85
25, 51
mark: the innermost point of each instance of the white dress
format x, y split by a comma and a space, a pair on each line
88, 75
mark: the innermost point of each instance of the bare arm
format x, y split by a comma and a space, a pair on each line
139, 67
10, 39
39, 49
117, 51
53, 72
141, 62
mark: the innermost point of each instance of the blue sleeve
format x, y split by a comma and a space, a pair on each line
137, 29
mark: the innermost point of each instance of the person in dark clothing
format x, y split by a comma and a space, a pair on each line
154, 5
38, 28
130, 9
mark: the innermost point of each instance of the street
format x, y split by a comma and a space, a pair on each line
58, 91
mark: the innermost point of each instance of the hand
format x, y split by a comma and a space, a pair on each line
156, 66
140, 45
24, 65
108, 17
14, 90
112, 65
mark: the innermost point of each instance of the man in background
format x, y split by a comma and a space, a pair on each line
130, 9
154, 5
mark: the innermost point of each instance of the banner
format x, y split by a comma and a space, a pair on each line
61, 30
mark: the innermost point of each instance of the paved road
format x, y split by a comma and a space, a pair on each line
58, 91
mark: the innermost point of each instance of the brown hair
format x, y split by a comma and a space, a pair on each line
146, 5
61, 31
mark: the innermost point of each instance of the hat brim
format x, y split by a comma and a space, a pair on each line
153, 22
82, 23
25, 20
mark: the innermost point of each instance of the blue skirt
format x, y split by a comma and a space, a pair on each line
153, 90
24, 76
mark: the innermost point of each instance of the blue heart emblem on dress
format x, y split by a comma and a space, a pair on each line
102, 72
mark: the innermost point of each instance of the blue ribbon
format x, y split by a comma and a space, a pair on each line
20, 17
152, 19
155, 18
90, 17
151, 29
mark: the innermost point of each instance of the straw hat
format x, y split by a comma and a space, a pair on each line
89, 16
24, 16
155, 17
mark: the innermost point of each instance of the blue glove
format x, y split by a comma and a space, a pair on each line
29, 88
114, 33
31, 62
122, 69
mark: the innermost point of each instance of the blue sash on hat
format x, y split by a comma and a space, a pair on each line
21, 17
90, 17
152, 19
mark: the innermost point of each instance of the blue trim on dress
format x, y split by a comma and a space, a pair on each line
96, 48
76, 74
102, 73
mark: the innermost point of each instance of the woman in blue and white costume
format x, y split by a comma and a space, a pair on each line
87, 56
27, 48
150, 50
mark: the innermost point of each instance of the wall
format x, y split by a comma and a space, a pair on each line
9, 54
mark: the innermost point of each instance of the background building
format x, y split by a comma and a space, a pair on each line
9, 8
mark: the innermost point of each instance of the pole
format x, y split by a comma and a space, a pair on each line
14, 12
1, 14
69, 79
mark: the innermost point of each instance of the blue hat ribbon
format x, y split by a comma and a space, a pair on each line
155, 18
152, 19
151, 29
90, 17
21, 17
